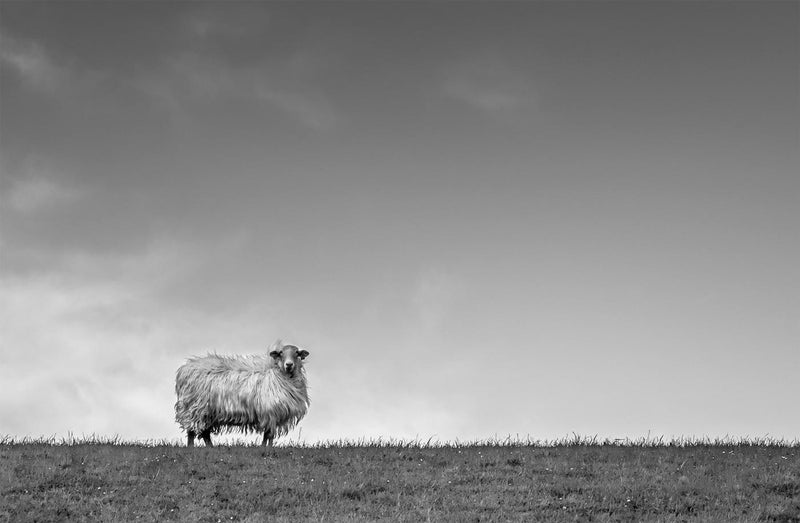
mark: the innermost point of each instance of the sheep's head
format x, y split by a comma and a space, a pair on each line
289, 359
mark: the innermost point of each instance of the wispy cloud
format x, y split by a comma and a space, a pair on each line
312, 110
206, 23
39, 69
291, 90
491, 85
190, 72
38, 188
31, 64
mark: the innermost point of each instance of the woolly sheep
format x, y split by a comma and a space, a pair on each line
246, 393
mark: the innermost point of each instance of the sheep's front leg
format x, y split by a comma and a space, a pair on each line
190, 434
268, 437
206, 435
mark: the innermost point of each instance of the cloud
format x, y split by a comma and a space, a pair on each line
282, 86
92, 347
491, 85
196, 72
483, 97
38, 188
311, 110
205, 23
30, 62
37, 68
37, 194
57, 355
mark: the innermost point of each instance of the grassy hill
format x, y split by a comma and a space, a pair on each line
563, 481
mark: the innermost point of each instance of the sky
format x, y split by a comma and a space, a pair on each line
482, 219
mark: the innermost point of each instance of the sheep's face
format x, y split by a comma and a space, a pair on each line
289, 359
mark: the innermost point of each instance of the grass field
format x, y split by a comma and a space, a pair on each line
571, 480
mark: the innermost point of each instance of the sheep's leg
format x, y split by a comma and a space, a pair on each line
190, 438
206, 435
268, 437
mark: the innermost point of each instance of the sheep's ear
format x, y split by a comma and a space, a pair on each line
303, 353
275, 353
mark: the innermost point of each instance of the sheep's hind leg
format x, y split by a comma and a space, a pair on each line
190, 435
206, 435
268, 437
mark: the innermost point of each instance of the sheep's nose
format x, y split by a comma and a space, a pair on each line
289, 365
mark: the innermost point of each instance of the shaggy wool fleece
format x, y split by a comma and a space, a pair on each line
244, 393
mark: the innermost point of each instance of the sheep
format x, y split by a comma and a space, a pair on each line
246, 393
